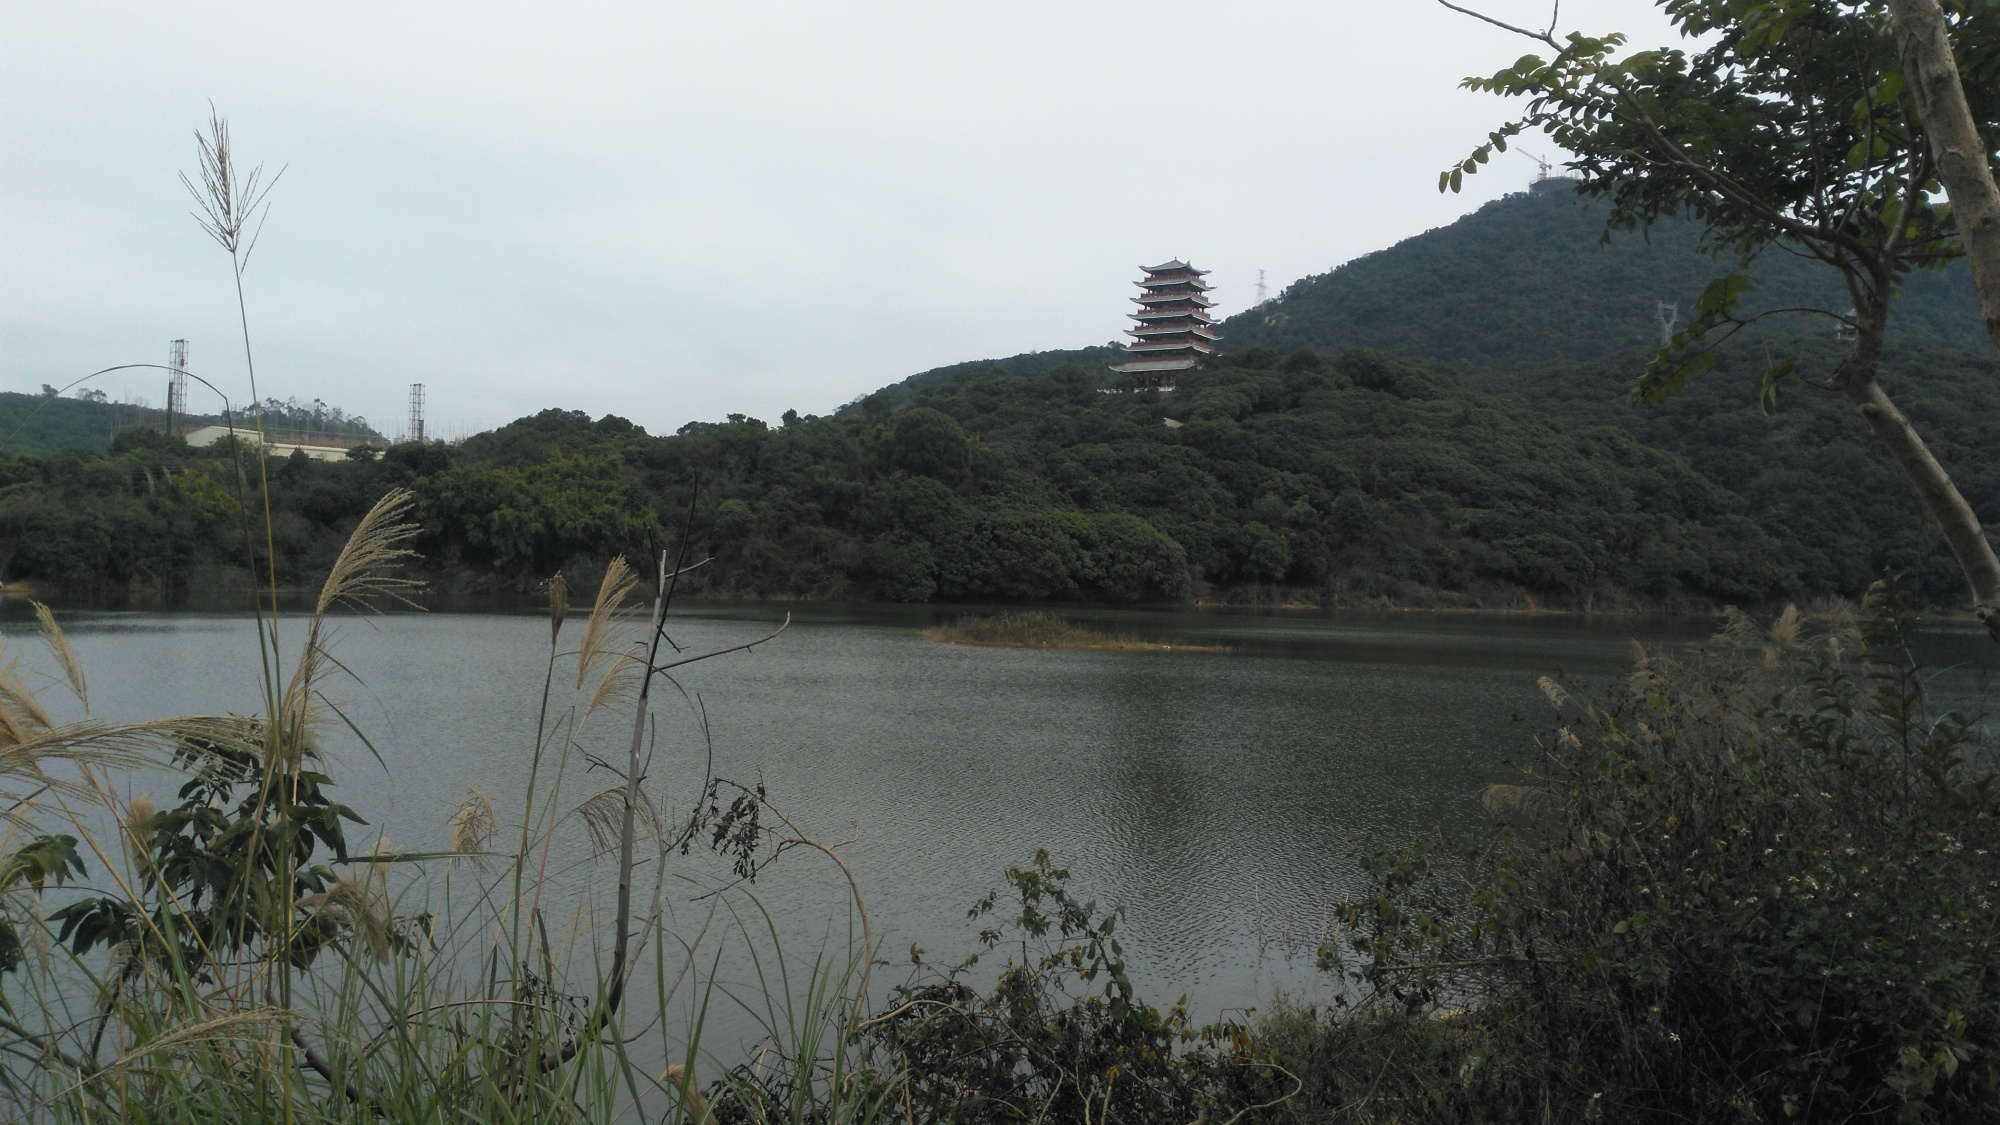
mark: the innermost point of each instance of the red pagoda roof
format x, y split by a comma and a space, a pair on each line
1175, 266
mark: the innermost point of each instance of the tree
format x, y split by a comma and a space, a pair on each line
1963, 162
1791, 130
931, 443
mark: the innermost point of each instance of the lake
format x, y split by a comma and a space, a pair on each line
1220, 799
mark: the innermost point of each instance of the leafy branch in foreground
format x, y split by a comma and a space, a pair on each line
1789, 130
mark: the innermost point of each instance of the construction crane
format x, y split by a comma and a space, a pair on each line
1541, 162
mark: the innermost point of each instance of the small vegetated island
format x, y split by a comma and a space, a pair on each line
1047, 630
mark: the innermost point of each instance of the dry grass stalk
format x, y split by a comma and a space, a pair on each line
558, 605
620, 683
605, 618
228, 199
24, 761
21, 713
474, 825
363, 572
59, 646
362, 899
1501, 799
683, 1082
603, 816
1556, 693
245, 1026
139, 811
361, 576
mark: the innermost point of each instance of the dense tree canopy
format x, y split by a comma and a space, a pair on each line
1781, 128
1361, 478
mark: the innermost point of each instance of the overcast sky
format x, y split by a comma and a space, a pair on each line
675, 211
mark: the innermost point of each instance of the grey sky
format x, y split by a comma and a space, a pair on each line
674, 211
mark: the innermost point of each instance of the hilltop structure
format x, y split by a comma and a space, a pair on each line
1174, 329
324, 449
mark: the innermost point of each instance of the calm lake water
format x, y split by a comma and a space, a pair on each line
1221, 799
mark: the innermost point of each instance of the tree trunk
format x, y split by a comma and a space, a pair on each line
1932, 77
1941, 499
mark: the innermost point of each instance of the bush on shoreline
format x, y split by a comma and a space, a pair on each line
1759, 887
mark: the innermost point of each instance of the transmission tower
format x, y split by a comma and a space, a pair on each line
177, 385
416, 431
1668, 316
1262, 293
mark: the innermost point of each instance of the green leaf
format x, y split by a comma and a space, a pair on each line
1773, 381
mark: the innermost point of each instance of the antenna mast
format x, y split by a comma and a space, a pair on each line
177, 384
1668, 316
416, 431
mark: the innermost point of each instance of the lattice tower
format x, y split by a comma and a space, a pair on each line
416, 430
177, 385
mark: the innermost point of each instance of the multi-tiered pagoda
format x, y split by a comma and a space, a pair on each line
1174, 329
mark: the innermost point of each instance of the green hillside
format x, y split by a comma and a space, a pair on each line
48, 424
1811, 472
1025, 365
1525, 283
1361, 479
1528, 301
51, 424
1522, 284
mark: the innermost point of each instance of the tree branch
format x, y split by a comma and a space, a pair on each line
1538, 36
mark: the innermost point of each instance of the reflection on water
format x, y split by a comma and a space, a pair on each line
1220, 799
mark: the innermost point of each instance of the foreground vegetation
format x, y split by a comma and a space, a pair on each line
1756, 883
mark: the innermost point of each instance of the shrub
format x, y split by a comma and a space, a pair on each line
1759, 886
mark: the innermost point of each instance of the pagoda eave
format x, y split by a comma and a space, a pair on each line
1175, 266
1154, 368
1197, 315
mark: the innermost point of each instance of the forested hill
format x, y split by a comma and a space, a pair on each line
1358, 479
48, 423
1524, 284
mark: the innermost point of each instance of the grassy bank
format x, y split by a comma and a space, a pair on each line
1046, 630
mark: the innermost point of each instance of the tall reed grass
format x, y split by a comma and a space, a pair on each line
232, 957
